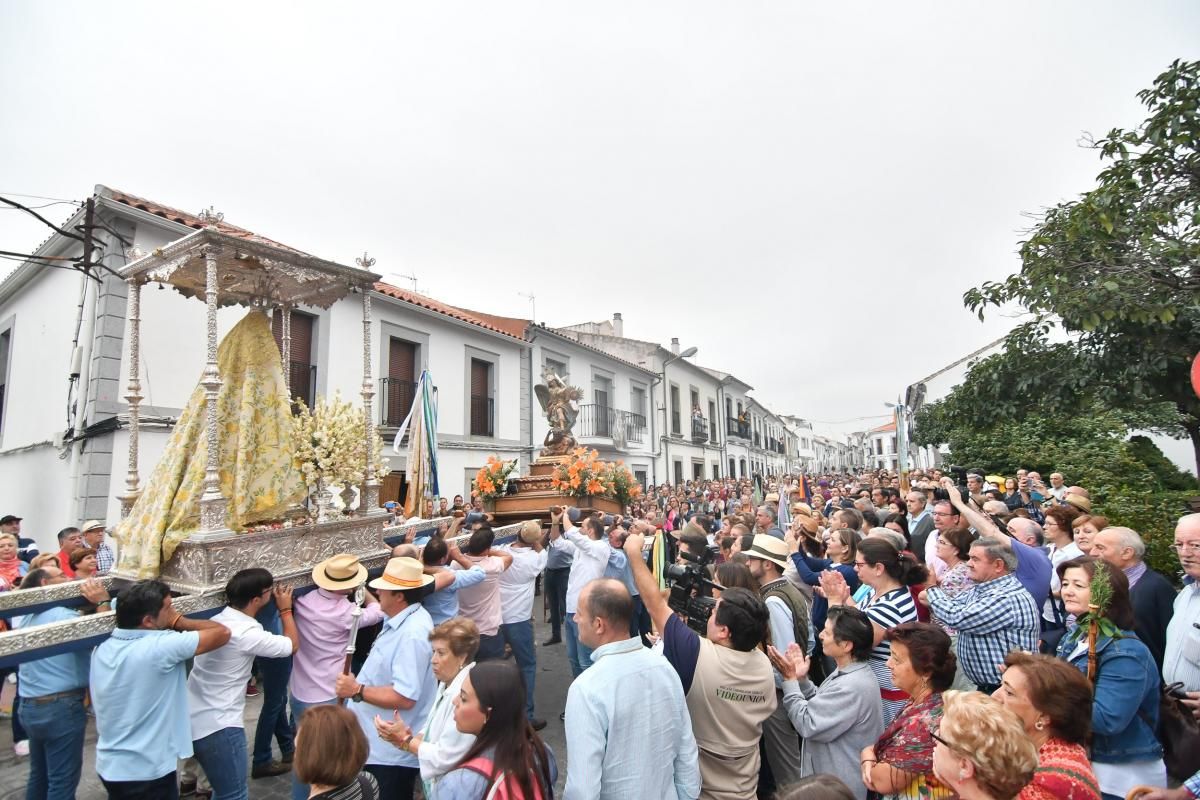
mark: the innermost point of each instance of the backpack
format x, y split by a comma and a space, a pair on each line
503, 787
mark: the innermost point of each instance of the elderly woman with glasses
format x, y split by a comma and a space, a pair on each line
982, 751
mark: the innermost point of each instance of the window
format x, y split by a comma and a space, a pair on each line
400, 385
482, 411
732, 468
640, 476
716, 473
302, 373
712, 423
637, 401
697, 470
559, 368
675, 428
742, 465
5, 350
678, 472
601, 391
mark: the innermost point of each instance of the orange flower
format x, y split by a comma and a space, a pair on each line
575, 482
595, 487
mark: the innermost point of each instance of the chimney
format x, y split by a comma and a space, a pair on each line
618, 325
675, 345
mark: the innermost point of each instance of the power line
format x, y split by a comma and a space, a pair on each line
47, 205
43, 197
47, 222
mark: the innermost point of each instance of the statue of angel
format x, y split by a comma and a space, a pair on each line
560, 402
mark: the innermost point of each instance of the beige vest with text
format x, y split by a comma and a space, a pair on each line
731, 694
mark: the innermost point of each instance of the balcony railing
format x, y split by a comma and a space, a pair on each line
604, 422
482, 416
699, 429
303, 380
735, 428
396, 398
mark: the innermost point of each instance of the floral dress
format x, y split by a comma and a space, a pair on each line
907, 745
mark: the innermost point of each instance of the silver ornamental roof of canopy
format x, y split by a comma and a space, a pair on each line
250, 273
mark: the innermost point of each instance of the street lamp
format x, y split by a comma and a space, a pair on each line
901, 441
691, 351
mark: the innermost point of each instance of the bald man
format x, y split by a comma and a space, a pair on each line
1182, 634
1151, 594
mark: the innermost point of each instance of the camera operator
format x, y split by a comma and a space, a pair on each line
727, 681
791, 621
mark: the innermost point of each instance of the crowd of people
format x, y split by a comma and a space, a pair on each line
836, 636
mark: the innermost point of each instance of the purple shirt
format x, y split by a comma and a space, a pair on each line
323, 621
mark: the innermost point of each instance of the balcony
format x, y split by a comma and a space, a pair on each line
699, 430
603, 422
739, 429
482, 416
396, 398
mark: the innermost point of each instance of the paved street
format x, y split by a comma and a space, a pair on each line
551, 691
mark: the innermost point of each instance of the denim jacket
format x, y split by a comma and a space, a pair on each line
1126, 682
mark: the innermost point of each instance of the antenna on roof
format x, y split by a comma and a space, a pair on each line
532, 306
412, 278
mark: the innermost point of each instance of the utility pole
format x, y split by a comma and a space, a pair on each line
89, 214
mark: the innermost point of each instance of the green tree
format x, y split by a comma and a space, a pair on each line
1119, 271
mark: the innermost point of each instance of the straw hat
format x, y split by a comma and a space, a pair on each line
91, 525
339, 572
772, 497
1079, 501
402, 574
768, 548
531, 531
810, 524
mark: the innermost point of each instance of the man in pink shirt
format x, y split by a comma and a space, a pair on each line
481, 603
323, 619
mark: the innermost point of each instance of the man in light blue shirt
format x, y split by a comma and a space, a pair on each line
397, 675
442, 602
630, 696
139, 691
51, 691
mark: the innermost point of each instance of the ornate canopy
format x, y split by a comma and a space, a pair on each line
250, 272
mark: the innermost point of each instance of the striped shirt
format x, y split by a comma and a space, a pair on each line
887, 611
993, 619
1181, 661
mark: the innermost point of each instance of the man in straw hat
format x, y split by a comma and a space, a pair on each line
93, 537
790, 622
397, 677
516, 605
324, 619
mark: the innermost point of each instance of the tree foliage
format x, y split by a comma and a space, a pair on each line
1118, 270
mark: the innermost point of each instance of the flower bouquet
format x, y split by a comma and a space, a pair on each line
585, 475
625, 487
492, 478
330, 446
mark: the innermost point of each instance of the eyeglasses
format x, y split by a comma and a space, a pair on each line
938, 738
861, 564
1188, 547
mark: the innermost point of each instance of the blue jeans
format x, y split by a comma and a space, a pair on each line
273, 719
519, 636
300, 790
578, 654
55, 731
222, 754
18, 730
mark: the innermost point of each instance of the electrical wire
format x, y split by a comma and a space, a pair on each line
47, 222
41, 197
47, 205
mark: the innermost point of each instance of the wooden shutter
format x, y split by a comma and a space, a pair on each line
481, 423
401, 385
300, 370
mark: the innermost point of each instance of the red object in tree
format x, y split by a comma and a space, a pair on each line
1196, 374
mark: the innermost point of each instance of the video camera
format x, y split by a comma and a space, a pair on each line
960, 480
690, 586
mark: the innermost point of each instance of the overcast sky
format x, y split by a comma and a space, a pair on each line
803, 191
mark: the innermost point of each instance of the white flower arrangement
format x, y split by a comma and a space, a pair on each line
329, 442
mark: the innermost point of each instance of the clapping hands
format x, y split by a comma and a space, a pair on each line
835, 588
793, 666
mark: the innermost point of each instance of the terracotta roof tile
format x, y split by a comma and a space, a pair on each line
504, 325
191, 220
891, 426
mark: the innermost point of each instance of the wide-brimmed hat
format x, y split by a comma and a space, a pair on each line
772, 497
402, 574
1079, 501
91, 525
803, 509
531, 531
339, 572
810, 524
768, 548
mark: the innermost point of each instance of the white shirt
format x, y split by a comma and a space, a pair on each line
516, 583
442, 744
931, 557
591, 557
217, 686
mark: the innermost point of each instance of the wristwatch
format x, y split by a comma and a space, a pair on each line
357, 696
